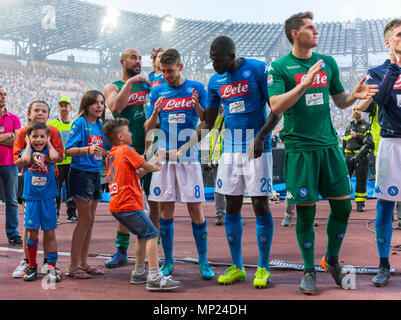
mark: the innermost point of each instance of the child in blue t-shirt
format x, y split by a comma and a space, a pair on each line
86, 145
40, 191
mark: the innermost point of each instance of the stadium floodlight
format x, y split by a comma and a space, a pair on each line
110, 20
168, 24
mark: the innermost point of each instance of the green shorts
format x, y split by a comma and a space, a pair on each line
310, 173
145, 183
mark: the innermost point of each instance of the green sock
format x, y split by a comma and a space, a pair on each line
306, 234
337, 225
122, 240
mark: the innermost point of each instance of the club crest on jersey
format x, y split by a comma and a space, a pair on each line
235, 89
246, 73
177, 104
320, 79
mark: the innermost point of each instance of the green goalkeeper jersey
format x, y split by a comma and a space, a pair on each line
307, 124
135, 113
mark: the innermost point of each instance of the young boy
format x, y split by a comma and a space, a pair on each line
40, 190
124, 167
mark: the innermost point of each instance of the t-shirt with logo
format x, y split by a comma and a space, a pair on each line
388, 77
55, 140
178, 117
39, 183
83, 134
125, 191
307, 124
65, 130
135, 113
244, 96
155, 80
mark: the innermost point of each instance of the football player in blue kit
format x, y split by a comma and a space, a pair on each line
246, 163
388, 163
178, 104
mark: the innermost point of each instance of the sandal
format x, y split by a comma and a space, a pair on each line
77, 273
93, 270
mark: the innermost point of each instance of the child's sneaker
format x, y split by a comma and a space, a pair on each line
45, 268
21, 269
31, 274
161, 283
54, 275
119, 258
137, 278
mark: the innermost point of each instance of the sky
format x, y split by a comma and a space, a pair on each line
261, 11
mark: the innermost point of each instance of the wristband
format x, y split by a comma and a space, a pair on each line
89, 150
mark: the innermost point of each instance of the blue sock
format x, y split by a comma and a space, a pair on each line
200, 236
167, 235
233, 227
264, 236
384, 227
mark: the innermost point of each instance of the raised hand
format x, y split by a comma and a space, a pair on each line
310, 77
363, 91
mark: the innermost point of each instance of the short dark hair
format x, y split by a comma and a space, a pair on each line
391, 25
295, 22
113, 127
37, 126
223, 44
170, 56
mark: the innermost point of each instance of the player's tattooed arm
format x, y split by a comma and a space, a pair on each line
255, 149
283, 102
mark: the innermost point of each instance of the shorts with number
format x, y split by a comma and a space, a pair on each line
237, 175
181, 182
310, 173
388, 167
41, 214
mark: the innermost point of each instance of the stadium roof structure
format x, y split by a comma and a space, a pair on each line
40, 28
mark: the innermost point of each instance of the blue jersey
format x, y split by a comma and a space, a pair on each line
178, 117
244, 96
83, 134
388, 77
155, 80
39, 183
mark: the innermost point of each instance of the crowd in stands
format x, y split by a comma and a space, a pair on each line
50, 81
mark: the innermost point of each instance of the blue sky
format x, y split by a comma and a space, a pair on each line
261, 11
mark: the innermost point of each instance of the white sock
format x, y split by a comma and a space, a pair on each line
154, 273
139, 268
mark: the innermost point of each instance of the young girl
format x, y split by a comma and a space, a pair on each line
38, 111
86, 146
155, 76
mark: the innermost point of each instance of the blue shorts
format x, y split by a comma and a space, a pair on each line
41, 213
84, 185
137, 222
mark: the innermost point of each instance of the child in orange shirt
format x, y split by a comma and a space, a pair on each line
124, 167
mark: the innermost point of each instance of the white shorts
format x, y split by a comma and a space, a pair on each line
388, 170
181, 182
236, 175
